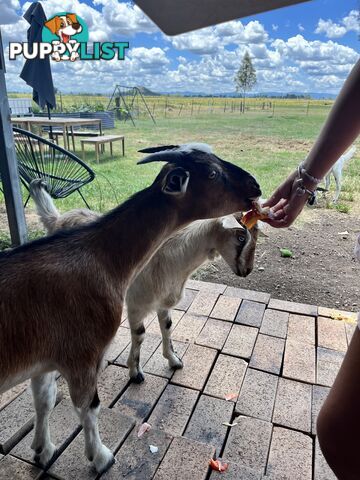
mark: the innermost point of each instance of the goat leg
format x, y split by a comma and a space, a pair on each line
44, 395
168, 350
137, 337
87, 406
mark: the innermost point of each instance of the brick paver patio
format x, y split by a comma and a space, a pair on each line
277, 359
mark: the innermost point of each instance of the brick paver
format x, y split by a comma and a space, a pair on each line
64, 425
241, 341
248, 443
206, 423
268, 354
226, 308
158, 365
299, 361
266, 362
73, 465
206, 286
250, 313
135, 460
290, 455
257, 395
189, 327
322, 469
332, 334
16, 420
349, 330
319, 395
112, 381
275, 323
173, 409
148, 347
154, 327
328, 364
13, 468
214, 334
186, 301
237, 472
137, 401
330, 312
293, 307
197, 364
10, 395
203, 303
293, 405
118, 344
185, 460
301, 328
226, 377
247, 294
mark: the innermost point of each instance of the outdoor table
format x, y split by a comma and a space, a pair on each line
65, 123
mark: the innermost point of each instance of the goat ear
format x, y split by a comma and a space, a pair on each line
176, 182
158, 149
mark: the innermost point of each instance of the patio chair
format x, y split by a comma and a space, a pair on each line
63, 172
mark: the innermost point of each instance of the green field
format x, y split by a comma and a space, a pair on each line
268, 144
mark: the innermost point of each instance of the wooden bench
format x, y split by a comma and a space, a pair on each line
102, 140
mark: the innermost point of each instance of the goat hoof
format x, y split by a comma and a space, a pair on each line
177, 364
44, 455
103, 460
139, 378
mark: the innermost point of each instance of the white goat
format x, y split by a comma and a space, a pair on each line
337, 169
159, 286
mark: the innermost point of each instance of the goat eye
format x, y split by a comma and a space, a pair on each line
213, 174
241, 239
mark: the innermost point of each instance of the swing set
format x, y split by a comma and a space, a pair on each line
129, 103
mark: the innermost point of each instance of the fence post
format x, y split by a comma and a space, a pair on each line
307, 108
192, 106
273, 110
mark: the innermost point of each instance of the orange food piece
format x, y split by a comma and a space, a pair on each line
251, 217
218, 466
230, 396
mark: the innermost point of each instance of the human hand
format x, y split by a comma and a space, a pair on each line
286, 202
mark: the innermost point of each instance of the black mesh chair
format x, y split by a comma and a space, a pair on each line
63, 172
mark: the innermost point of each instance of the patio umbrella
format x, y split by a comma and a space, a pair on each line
185, 15
37, 72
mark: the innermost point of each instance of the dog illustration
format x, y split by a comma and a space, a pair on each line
64, 26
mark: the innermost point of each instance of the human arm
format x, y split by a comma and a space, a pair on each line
338, 133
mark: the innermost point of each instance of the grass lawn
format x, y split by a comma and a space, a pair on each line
269, 147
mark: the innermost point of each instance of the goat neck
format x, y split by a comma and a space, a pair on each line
132, 232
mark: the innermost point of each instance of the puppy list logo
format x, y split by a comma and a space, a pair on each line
65, 37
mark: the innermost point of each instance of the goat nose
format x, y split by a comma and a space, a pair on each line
254, 187
76, 26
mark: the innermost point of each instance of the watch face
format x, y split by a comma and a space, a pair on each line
357, 249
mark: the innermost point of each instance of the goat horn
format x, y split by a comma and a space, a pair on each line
172, 156
158, 149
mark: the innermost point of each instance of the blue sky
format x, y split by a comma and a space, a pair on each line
309, 47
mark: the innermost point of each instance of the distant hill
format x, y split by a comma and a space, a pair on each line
313, 95
146, 92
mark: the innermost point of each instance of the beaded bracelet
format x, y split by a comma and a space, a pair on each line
303, 172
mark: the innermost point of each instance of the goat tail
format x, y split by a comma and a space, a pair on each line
349, 154
45, 207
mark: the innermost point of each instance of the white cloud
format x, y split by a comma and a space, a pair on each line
9, 11
336, 30
125, 18
274, 27
212, 39
301, 27
330, 29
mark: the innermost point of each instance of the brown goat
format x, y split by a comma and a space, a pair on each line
61, 297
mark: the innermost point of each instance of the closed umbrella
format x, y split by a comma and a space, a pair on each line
37, 72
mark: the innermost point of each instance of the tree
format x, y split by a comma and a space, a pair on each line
245, 79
